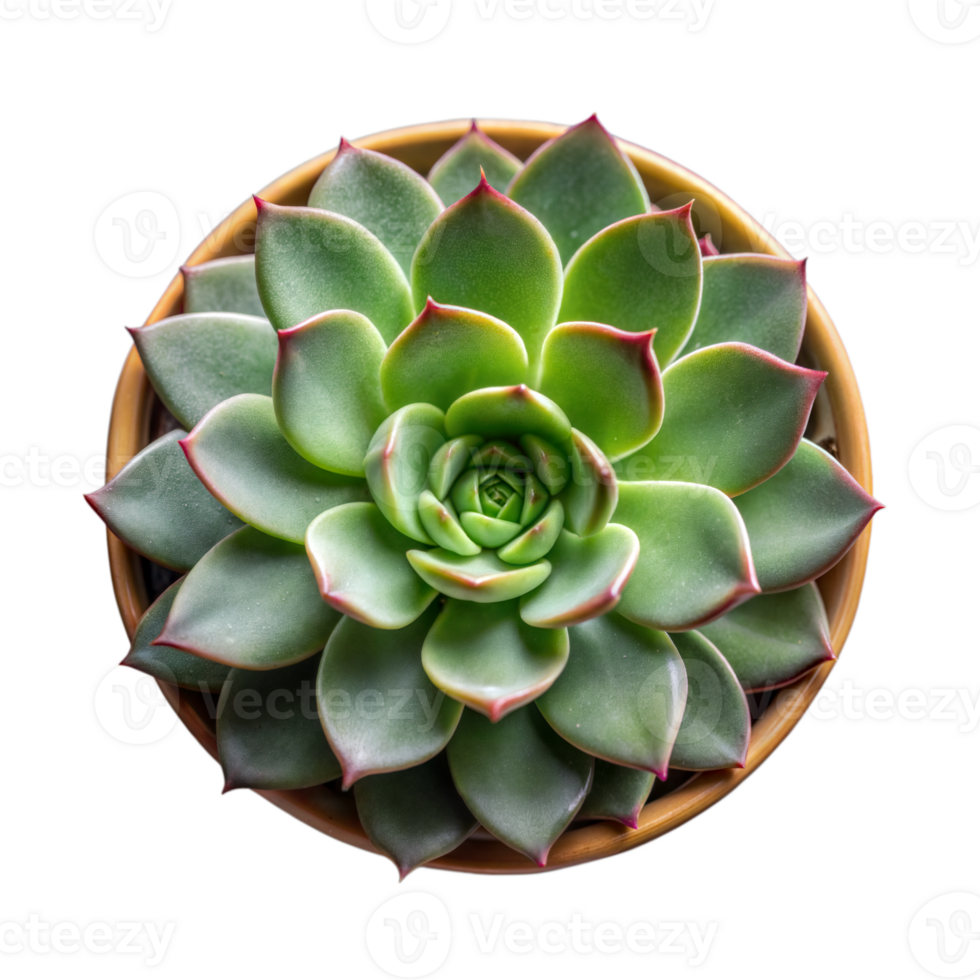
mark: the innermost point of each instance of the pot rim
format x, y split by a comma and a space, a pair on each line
332, 812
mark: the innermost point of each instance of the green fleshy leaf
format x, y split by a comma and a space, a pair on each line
511, 411
250, 602
587, 579
326, 391
361, 569
622, 695
771, 640
536, 499
415, 815
591, 495
755, 299
547, 462
269, 733
639, 275
537, 540
197, 360
734, 416
161, 509
446, 352
804, 518
466, 493
520, 779
222, 286
457, 172
449, 462
397, 464
608, 382
441, 522
240, 455
617, 793
489, 532
308, 261
488, 254
715, 731
579, 183
482, 578
694, 562
167, 663
381, 194
379, 709
485, 656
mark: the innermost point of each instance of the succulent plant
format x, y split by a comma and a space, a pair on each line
491, 493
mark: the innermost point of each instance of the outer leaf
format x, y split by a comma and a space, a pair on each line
457, 172
361, 569
414, 815
326, 391
269, 734
397, 464
250, 602
160, 508
538, 539
578, 184
520, 780
772, 640
716, 727
488, 254
591, 495
308, 261
449, 462
587, 579
511, 411
804, 518
640, 274
482, 578
608, 382
734, 416
167, 663
197, 360
446, 352
486, 657
380, 193
622, 695
240, 455
694, 563
222, 285
755, 299
618, 793
378, 708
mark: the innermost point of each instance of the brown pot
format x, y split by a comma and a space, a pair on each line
838, 416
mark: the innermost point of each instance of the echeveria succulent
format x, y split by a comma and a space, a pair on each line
505, 471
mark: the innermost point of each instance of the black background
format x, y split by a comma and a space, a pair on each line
804, 110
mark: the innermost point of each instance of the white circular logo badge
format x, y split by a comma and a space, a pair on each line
131, 707
138, 235
409, 936
944, 468
947, 21
409, 21
944, 935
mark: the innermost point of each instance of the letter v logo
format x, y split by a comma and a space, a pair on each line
409, 21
